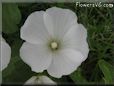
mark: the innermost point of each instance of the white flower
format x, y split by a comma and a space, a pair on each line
39, 80
5, 54
54, 42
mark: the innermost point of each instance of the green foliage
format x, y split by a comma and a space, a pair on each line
11, 17
108, 71
77, 77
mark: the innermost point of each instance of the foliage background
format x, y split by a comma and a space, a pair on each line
99, 66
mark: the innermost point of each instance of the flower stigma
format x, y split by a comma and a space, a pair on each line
54, 45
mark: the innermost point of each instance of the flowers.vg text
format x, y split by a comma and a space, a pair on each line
97, 4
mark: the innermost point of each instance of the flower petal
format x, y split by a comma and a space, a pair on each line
5, 54
36, 56
31, 81
61, 19
65, 62
34, 30
46, 80
39, 80
76, 38
49, 24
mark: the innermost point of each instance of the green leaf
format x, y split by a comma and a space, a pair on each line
16, 72
11, 16
24, 4
108, 71
77, 77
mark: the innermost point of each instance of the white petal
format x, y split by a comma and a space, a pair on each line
46, 80
34, 30
76, 38
65, 62
5, 54
36, 56
49, 24
39, 80
32, 80
60, 20
2, 39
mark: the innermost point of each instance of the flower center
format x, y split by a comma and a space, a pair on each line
54, 45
